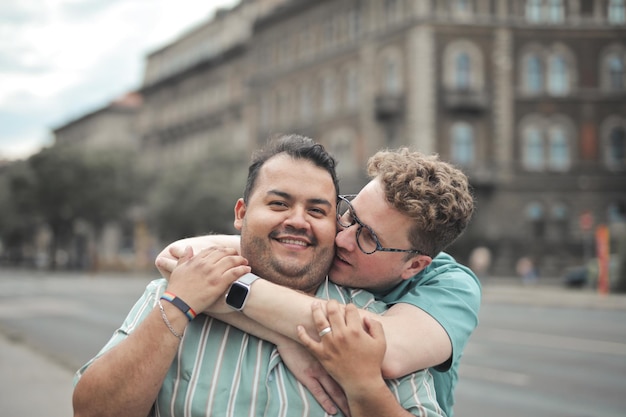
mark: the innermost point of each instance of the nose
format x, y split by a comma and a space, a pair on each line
346, 237
297, 218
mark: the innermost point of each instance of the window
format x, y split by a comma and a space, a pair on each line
558, 75
391, 76
616, 12
462, 71
559, 149
328, 94
533, 11
352, 88
462, 144
534, 74
615, 148
306, 103
533, 153
616, 72
463, 67
556, 13
535, 214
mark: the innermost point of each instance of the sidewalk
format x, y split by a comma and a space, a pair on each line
31, 384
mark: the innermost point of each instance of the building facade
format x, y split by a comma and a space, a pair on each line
527, 97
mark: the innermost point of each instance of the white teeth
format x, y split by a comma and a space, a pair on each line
293, 242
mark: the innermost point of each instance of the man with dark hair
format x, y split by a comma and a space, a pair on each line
170, 357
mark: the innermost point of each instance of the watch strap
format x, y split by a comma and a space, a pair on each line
248, 279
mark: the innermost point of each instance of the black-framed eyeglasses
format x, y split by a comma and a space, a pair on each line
366, 238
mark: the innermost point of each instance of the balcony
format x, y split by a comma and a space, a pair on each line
465, 100
389, 106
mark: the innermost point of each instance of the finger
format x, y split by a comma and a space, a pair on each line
187, 255
177, 251
306, 340
166, 265
336, 316
353, 318
374, 328
317, 389
319, 317
217, 251
334, 391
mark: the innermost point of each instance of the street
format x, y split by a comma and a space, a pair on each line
540, 351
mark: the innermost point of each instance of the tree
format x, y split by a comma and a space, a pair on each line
71, 184
197, 199
17, 209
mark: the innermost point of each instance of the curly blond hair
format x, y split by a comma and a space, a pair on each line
433, 193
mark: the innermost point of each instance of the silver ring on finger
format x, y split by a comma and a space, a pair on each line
325, 331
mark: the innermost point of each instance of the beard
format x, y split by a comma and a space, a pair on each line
288, 271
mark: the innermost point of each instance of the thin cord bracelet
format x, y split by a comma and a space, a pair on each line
167, 322
180, 304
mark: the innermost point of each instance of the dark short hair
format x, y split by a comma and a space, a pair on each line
296, 146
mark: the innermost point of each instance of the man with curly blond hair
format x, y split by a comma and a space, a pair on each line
390, 241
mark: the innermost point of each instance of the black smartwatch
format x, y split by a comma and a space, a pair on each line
239, 290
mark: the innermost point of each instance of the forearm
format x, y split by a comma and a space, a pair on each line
248, 325
373, 398
126, 380
415, 340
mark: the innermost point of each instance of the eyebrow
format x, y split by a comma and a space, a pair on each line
288, 196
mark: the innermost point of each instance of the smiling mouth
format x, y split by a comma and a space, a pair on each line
296, 242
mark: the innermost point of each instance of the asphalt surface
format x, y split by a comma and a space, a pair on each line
33, 385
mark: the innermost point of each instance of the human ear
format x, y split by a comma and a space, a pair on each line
240, 212
415, 265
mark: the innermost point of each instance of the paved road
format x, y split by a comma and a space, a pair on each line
509, 353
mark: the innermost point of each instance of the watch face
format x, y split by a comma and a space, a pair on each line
236, 296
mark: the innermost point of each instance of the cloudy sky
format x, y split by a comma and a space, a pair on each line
60, 59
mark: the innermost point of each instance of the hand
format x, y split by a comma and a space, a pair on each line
166, 262
202, 279
313, 376
354, 349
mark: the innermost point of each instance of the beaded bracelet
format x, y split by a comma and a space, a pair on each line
180, 304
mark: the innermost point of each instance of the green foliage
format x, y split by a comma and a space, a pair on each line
17, 204
193, 200
71, 184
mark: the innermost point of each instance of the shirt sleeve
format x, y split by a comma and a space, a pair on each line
450, 293
137, 314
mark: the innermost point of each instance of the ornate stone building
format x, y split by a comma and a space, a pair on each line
528, 97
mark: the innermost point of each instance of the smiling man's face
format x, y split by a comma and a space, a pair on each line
288, 226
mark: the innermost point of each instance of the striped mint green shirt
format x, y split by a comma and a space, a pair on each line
222, 371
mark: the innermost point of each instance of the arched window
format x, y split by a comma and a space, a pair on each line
534, 74
462, 144
558, 75
533, 149
391, 75
616, 12
559, 149
463, 67
462, 71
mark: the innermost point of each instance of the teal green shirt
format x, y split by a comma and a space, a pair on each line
451, 294
222, 371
